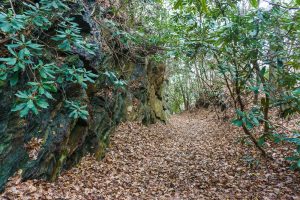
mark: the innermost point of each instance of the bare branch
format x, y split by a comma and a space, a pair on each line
12, 6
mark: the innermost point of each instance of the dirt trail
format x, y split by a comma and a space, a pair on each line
194, 156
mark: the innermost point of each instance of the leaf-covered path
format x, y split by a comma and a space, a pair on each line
194, 156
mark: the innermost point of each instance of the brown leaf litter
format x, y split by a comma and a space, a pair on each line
194, 156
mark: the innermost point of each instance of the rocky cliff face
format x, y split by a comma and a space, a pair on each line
42, 146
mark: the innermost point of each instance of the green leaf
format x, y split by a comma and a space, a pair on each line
255, 121
14, 79
35, 46
293, 140
24, 112
9, 61
41, 90
19, 107
35, 110
204, 6
178, 4
22, 95
50, 88
72, 114
249, 125
239, 113
3, 77
11, 51
237, 122
30, 104
42, 103
292, 158
48, 95
83, 117
60, 80
13, 45
84, 112
254, 3
296, 92
255, 89
261, 141
277, 138
298, 163
65, 45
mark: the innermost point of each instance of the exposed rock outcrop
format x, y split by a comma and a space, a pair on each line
63, 141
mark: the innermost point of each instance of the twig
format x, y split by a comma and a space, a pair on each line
29, 1
12, 7
4, 40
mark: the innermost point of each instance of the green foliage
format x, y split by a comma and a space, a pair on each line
77, 110
69, 35
290, 101
254, 3
295, 158
245, 48
29, 102
249, 119
26, 58
78, 75
38, 16
114, 80
10, 23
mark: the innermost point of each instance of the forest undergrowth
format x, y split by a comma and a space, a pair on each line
194, 156
72, 71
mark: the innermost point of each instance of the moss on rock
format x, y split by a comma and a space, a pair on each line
66, 140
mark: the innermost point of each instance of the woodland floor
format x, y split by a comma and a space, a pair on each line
194, 156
